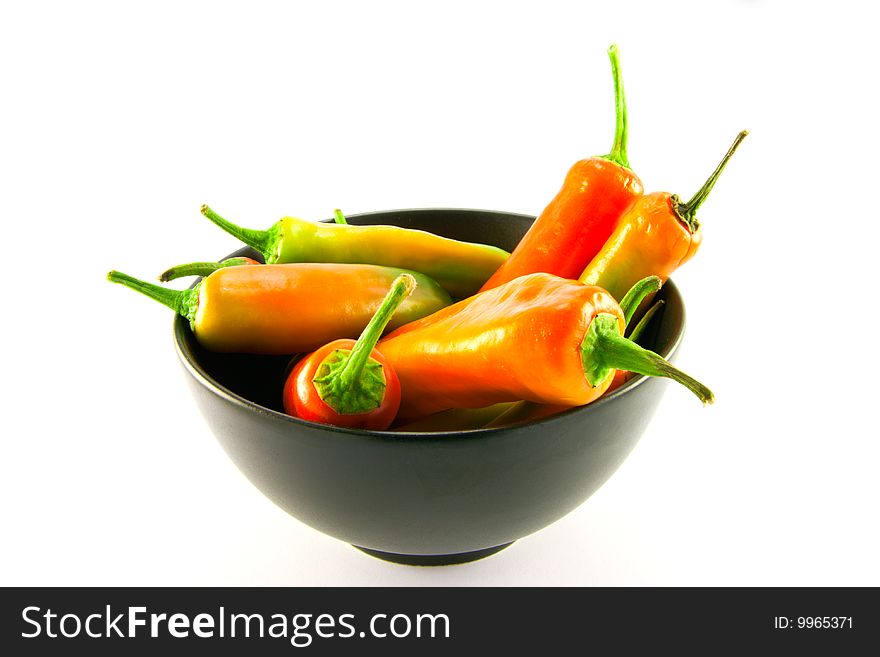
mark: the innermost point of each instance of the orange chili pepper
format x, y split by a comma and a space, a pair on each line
658, 234
577, 222
538, 338
287, 309
527, 411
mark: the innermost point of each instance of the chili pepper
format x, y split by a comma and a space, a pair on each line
347, 383
658, 234
460, 267
527, 411
570, 231
287, 309
537, 338
203, 268
456, 419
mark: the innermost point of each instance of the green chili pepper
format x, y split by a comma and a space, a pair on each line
460, 267
457, 419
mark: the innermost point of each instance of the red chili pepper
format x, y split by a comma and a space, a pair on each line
573, 228
347, 383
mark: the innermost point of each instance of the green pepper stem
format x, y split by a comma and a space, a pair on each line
343, 382
183, 302
618, 153
338, 217
401, 288
637, 294
261, 240
644, 321
687, 211
199, 268
604, 350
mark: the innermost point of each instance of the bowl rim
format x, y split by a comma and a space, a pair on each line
181, 328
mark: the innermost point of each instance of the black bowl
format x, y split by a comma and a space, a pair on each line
423, 498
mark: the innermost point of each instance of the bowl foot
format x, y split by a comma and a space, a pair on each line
434, 559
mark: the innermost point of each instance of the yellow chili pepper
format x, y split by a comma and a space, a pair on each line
460, 267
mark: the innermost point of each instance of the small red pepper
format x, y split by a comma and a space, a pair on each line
573, 228
347, 383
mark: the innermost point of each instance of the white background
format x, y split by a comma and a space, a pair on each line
120, 119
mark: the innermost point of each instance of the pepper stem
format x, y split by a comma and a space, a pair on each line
604, 350
687, 211
200, 268
341, 379
637, 294
621, 129
183, 302
263, 241
645, 320
338, 217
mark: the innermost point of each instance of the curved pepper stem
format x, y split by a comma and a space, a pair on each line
604, 350
201, 268
350, 382
645, 320
183, 302
264, 241
687, 211
637, 294
338, 217
621, 129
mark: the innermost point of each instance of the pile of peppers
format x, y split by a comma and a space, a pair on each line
435, 334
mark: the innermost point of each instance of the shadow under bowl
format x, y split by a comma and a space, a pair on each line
424, 498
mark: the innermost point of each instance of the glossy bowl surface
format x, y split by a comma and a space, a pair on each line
423, 498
